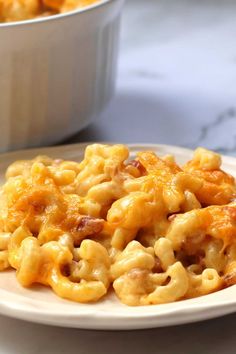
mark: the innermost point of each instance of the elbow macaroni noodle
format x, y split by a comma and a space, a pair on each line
154, 231
19, 10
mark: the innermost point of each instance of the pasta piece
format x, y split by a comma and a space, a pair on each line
216, 221
204, 283
140, 287
17, 10
218, 187
4, 262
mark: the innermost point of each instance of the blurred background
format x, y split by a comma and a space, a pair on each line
176, 76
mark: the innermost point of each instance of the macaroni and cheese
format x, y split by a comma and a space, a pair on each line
19, 10
153, 231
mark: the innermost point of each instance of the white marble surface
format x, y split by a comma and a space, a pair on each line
209, 337
176, 85
177, 74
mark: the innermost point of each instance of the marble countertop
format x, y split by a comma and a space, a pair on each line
176, 85
176, 78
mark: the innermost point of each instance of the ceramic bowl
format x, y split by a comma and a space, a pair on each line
57, 73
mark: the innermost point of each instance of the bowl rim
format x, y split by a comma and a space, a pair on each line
38, 20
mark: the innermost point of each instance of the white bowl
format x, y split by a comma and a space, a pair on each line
57, 73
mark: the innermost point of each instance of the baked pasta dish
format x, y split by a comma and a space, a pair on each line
149, 230
19, 10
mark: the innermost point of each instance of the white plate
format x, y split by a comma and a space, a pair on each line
40, 304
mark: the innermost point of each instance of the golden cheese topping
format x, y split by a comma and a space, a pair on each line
153, 231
